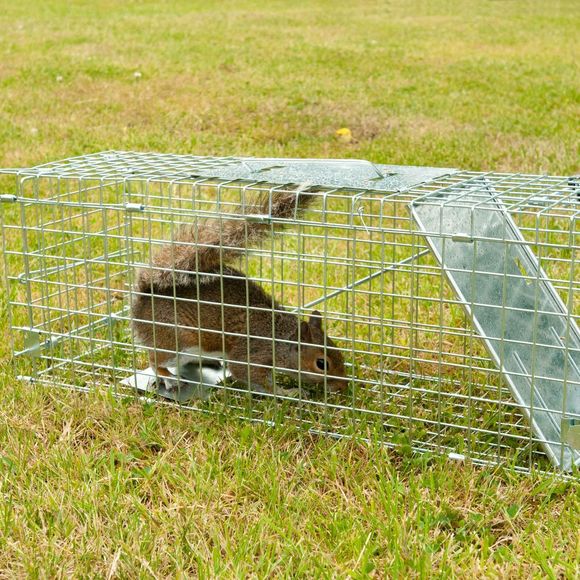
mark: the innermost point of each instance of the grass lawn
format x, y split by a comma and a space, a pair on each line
91, 486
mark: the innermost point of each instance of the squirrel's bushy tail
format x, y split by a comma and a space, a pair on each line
201, 247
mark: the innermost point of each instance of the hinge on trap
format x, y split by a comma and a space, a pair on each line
259, 218
571, 433
133, 207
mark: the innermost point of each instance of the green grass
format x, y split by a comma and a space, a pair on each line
90, 486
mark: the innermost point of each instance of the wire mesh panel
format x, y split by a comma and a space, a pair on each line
431, 310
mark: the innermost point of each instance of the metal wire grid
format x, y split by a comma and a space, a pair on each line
420, 375
120, 164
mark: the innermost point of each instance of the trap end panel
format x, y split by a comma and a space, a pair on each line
526, 327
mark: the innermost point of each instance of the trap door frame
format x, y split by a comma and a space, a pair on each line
484, 257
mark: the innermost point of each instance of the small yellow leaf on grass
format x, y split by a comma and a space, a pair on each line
344, 134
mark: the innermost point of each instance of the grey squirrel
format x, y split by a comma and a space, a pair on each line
190, 305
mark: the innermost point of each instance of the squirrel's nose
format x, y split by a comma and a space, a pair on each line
338, 385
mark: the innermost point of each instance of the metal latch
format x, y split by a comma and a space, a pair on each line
31, 343
134, 207
461, 237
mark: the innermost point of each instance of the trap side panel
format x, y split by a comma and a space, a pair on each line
525, 325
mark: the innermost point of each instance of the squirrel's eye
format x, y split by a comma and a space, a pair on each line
321, 364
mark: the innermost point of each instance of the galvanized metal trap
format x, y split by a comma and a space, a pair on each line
454, 295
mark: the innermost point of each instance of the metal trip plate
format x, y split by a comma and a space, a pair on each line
197, 384
526, 327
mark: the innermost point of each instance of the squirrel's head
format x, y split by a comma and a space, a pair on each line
321, 362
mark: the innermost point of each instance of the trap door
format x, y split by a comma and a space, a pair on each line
525, 325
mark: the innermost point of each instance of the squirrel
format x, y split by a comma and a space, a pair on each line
191, 305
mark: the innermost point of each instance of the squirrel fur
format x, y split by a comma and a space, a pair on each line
192, 305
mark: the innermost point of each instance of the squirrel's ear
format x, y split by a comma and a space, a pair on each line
305, 334
316, 320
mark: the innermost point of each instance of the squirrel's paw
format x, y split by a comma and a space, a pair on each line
292, 393
168, 383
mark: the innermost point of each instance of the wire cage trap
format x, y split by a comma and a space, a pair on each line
453, 296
